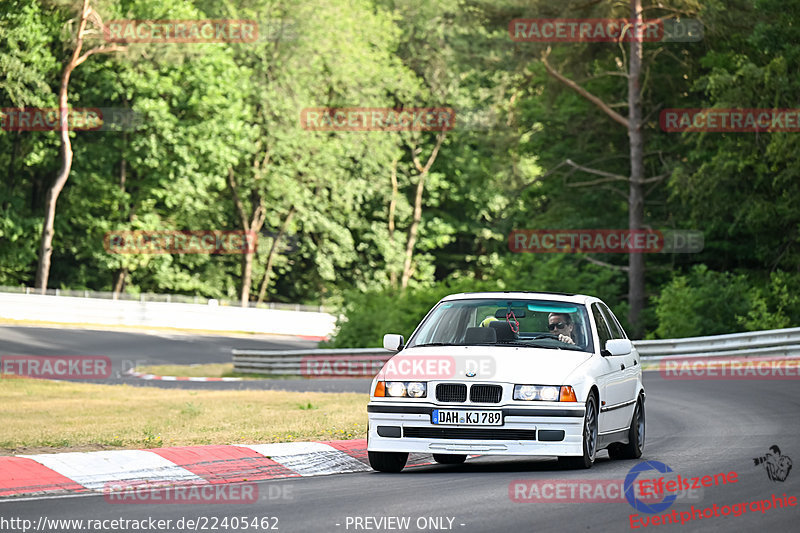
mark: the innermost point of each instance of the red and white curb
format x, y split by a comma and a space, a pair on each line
156, 377
71, 473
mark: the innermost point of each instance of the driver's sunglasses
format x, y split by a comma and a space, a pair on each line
557, 325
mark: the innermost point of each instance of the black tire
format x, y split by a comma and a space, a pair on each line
449, 458
636, 434
387, 461
589, 438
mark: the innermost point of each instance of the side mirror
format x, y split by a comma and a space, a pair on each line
393, 342
619, 347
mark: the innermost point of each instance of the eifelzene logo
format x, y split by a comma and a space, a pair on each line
777, 465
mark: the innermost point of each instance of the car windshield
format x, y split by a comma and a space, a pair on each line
480, 322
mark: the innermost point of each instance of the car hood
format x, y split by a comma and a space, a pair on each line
509, 364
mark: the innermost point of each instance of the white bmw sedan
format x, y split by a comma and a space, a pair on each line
509, 373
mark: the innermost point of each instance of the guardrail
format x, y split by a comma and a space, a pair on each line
350, 362
97, 311
164, 298
776, 343
773, 342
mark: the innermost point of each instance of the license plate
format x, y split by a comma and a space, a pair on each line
451, 417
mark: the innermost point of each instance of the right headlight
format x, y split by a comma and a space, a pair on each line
416, 389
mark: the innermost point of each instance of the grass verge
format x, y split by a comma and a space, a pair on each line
41, 416
212, 370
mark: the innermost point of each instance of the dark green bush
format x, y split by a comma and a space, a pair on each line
776, 306
705, 302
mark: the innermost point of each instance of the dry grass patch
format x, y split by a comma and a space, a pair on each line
41, 415
212, 370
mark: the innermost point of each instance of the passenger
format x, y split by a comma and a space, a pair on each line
487, 320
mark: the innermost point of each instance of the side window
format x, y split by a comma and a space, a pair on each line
613, 325
602, 327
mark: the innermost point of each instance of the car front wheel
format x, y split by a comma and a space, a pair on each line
387, 461
589, 438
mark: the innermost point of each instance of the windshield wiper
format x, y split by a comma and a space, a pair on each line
478, 344
518, 343
563, 346
434, 344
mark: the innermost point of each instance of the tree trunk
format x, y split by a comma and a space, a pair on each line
247, 277
412, 231
392, 207
262, 291
46, 246
252, 226
414, 228
122, 273
119, 284
636, 180
636, 293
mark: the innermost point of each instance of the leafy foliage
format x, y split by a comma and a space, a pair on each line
704, 302
212, 110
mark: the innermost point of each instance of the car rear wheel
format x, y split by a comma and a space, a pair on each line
635, 446
449, 458
589, 438
387, 461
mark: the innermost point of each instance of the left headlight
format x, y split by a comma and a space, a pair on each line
400, 389
544, 393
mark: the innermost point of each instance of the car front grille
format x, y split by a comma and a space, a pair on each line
485, 393
470, 433
451, 392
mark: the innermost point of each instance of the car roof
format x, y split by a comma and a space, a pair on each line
525, 295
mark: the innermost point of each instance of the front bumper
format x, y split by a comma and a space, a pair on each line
527, 430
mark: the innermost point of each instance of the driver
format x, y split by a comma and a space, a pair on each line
561, 324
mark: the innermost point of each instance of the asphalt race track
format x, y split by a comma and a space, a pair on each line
127, 349
697, 428
148, 347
